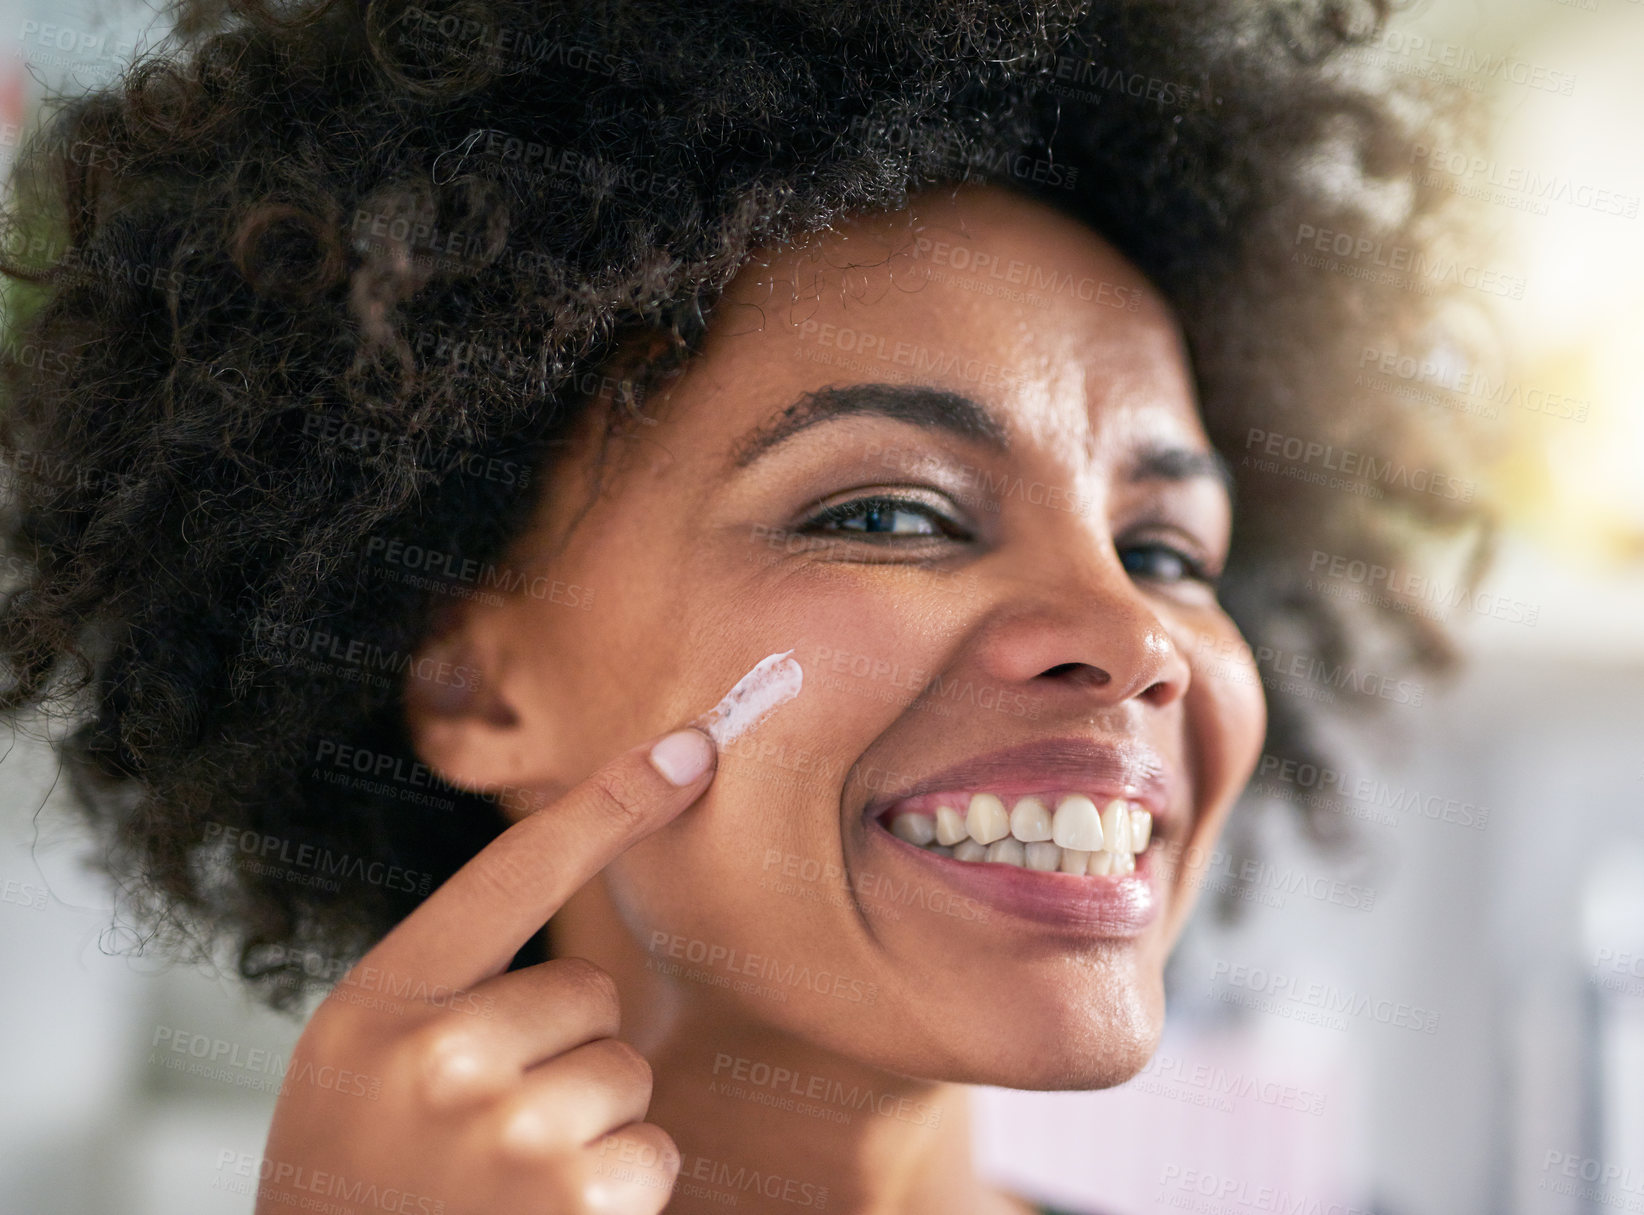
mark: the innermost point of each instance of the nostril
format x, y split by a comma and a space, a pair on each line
1160, 693
1078, 670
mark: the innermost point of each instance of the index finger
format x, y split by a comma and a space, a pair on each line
473, 925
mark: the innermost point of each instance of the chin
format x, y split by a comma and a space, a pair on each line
1104, 1040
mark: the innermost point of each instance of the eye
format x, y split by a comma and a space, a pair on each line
884, 517
1159, 562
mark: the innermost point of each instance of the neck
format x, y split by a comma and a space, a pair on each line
805, 1121
763, 1116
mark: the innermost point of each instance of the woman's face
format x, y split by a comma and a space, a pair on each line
950, 457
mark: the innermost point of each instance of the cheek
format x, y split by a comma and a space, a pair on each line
866, 652
773, 811
1226, 711
601, 681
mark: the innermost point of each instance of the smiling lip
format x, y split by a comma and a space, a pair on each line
1115, 906
1115, 768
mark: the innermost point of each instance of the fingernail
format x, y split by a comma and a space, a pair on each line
683, 756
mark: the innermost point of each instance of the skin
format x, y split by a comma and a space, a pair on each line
1068, 605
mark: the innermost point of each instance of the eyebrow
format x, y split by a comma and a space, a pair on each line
931, 408
1180, 464
937, 409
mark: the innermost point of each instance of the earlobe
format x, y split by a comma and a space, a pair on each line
458, 712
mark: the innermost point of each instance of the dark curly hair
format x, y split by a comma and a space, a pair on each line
327, 280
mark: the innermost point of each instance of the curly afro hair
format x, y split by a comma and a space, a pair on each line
325, 279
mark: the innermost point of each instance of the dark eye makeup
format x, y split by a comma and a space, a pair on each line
879, 518
884, 519
1158, 561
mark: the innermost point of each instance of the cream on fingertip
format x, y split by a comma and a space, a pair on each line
773, 682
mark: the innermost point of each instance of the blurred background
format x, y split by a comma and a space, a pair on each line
1449, 1018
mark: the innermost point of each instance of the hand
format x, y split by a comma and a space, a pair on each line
493, 1093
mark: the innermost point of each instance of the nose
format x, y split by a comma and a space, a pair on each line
1089, 629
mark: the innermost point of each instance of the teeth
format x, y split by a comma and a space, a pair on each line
1077, 824
1030, 821
986, 819
1007, 852
1077, 839
1116, 827
915, 828
1041, 854
950, 826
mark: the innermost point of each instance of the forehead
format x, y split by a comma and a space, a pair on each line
976, 290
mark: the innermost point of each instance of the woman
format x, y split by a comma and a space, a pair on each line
420, 418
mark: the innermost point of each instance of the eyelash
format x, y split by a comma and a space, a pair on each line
889, 504
1194, 569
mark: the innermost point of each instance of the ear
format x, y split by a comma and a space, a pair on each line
463, 705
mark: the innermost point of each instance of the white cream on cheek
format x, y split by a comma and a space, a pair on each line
773, 682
